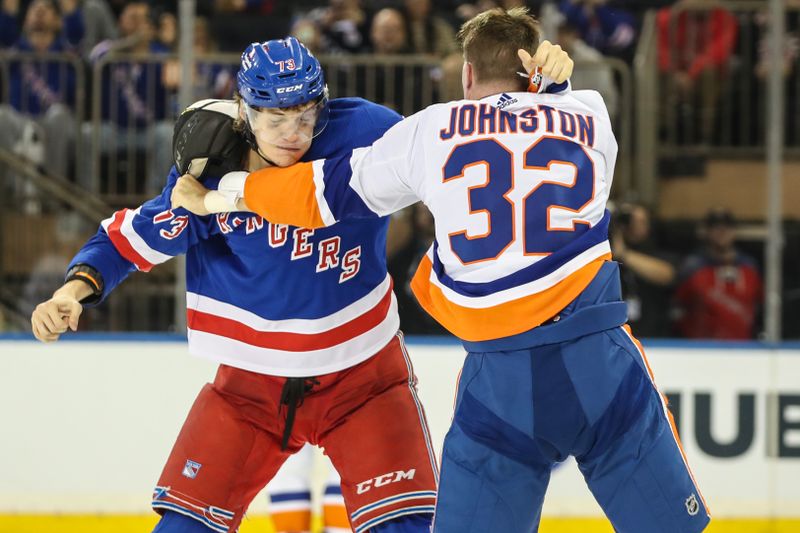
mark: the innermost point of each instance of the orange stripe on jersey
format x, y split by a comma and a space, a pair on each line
292, 521
284, 195
335, 516
510, 318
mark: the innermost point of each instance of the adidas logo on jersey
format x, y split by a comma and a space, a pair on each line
505, 100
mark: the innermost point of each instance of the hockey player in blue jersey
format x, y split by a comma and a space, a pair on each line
293, 316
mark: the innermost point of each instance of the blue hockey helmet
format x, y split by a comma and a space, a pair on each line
280, 73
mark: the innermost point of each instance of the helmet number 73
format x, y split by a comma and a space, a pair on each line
286, 65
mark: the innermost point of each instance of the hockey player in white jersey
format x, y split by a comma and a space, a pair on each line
521, 271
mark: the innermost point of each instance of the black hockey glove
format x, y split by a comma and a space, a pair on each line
205, 145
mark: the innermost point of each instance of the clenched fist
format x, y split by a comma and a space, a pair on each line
52, 318
190, 194
554, 62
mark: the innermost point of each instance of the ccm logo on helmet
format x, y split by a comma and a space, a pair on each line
385, 479
281, 90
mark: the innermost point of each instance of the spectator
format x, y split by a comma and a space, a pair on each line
610, 30
99, 22
404, 86
592, 72
133, 98
696, 40
389, 34
70, 27
168, 30
42, 93
344, 26
720, 292
308, 33
646, 273
428, 33
211, 80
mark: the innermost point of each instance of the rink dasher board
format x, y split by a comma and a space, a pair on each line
88, 423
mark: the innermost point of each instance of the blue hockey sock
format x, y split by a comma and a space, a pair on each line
172, 522
413, 523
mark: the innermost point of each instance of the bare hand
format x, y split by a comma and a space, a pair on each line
52, 318
190, 194
554, 62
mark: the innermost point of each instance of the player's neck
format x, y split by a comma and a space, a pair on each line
256, 162
482, 90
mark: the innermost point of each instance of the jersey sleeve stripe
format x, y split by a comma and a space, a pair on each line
129, 244
506, 319
321, 192
285, 195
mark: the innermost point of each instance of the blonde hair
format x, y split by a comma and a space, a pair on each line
490, 42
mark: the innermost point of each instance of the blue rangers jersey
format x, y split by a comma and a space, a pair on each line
268, 298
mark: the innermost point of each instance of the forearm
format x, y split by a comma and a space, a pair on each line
219, 202
76, 289
652, 269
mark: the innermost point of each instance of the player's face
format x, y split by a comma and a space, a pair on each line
284, 135
721, 236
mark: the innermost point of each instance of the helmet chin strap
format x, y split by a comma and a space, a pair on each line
250, 137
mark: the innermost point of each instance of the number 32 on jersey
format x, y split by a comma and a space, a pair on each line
546, 200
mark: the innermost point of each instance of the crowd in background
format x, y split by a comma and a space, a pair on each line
715, 292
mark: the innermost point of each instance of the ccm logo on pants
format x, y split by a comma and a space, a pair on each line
385, 479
